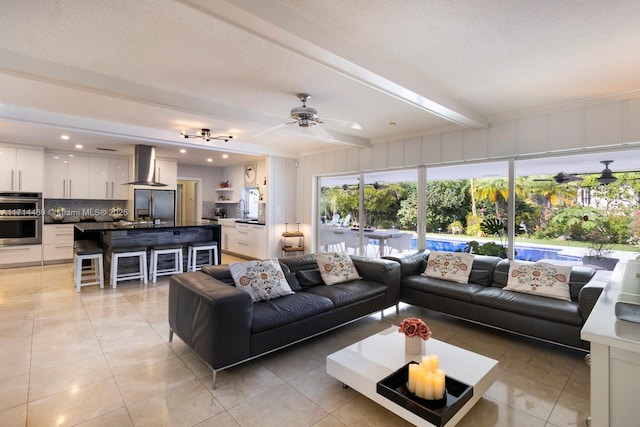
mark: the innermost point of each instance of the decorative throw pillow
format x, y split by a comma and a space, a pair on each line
336, 267
263, 280
451, 266
541, 278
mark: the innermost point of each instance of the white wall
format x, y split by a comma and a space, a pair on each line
211, 177
612, 124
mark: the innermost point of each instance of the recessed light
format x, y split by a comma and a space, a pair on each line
78, 146
209, 160
65, 137
225, 156
392, 123
182, 150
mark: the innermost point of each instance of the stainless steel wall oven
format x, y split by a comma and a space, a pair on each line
20, 218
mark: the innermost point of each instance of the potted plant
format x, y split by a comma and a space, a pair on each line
489, 226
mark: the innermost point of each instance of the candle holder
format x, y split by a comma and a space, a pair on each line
429, 403
437, 412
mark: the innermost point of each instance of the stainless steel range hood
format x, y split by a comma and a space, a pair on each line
145, 166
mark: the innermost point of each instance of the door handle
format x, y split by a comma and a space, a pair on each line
20, 180
64, 188
12, 187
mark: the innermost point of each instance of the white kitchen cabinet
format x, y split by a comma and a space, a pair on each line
243, 240
251, 240
57, 242
106, 178
24, 255
67, 176
167, 173
21, 169
228, 235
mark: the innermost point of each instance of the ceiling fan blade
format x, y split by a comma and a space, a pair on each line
259, 134
346, 123
321, 132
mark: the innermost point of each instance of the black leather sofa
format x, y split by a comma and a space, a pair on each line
224, 327
484, 301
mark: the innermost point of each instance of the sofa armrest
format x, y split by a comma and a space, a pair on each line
211, 317
382, 271
590, 293
411, 263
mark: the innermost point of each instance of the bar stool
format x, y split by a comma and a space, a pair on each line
194, 248
140, 274
156, 251
87, 250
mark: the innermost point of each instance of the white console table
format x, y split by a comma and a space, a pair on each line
615, 359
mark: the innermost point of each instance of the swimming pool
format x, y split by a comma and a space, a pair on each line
523, 252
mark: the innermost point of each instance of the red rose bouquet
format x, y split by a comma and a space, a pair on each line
414, 327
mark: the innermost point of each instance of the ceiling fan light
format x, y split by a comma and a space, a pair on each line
606, 178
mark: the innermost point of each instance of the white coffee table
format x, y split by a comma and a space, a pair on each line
363, 364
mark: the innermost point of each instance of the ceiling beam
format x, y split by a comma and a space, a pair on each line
271, 21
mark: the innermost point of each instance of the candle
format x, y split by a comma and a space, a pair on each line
429, 391
430, 362
435, 360
413, 377
421, 383
438, 384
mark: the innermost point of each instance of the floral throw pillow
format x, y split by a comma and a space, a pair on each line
263, 280
540, 278
336, 267
451, 266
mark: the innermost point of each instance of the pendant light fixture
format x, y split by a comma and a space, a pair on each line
206, 135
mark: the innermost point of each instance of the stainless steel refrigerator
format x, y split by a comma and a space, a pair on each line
155, 204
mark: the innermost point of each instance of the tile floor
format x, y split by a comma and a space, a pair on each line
101, 358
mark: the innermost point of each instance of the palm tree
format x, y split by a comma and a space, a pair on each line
549, 195
494, 190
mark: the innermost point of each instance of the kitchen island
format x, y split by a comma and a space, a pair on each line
122, 234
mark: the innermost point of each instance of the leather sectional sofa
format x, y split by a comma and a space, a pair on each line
225, 327
484, 300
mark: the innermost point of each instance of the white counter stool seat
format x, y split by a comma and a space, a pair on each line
91, 274
156, 251
134, 251
192, 258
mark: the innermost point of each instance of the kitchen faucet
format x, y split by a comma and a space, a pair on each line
243, 210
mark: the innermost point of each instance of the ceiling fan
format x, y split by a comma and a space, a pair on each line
307, 118
563, 178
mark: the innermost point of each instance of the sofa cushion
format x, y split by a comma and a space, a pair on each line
529, 305
348, 293
263, 280
441, 287
309, 278
336, 267
288, 309
451, 266
539, 278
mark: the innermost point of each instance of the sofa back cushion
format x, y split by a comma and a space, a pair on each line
482, 269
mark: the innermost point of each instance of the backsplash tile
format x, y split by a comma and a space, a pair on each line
75, 209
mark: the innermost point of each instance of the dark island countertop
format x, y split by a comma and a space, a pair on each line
130, 225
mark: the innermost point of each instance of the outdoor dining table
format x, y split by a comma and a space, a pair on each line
380, 235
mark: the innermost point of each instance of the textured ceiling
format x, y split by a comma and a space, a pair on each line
142, 71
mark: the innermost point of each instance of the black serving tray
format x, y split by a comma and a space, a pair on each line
394, 388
